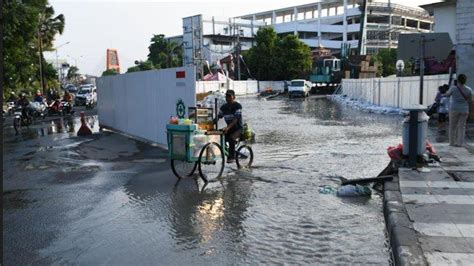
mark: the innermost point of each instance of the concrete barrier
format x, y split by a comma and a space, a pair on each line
393, 91
241, 87
140, 103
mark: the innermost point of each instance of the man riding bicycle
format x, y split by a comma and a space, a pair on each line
231, 111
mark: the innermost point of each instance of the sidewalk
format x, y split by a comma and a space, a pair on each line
430, 215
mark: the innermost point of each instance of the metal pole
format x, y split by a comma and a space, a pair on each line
238, 54
422, 66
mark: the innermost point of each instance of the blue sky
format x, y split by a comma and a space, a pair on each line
94, 26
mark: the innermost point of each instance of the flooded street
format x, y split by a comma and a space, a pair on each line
108, 199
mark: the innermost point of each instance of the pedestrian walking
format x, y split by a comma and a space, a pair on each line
460, 99
443, 108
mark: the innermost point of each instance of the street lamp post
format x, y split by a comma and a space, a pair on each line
57, 60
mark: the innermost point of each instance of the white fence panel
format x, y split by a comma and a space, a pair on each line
140, 103
242, 87
392, 91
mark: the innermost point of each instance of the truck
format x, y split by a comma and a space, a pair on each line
299, 87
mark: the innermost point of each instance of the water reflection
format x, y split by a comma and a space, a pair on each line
211, 217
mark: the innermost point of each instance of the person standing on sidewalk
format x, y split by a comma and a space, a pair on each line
460, 99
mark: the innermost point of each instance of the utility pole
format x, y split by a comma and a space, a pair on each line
42, 79
238, 54
362, 27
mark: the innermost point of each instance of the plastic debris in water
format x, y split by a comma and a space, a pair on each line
326, 190
353, 191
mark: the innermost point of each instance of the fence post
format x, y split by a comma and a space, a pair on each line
398, 92
380, 85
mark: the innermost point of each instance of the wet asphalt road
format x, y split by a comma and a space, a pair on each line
108, 199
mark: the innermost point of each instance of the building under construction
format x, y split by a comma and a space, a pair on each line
325, 24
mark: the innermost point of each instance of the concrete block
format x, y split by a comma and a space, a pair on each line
409, 255
394, 206
399, 219
391, 186
392, 196
403, 236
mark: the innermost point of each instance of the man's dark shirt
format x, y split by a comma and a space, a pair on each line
231, 111
23, 102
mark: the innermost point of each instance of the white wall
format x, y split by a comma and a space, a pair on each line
445, 20
465, 39
141, 103
242, 87
393, 92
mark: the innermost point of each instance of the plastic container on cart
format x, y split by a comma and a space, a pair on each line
180, 141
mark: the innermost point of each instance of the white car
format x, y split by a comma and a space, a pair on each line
299, 87
86, 95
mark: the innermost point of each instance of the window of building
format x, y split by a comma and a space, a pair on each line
379, 19
412, 23
425, 25
396, 20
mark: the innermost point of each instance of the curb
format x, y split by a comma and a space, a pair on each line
406, 250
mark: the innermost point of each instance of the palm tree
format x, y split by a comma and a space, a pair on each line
49, 26
73, 73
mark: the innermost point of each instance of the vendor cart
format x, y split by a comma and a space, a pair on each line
198, 144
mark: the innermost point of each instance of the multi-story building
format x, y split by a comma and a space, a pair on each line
327, 23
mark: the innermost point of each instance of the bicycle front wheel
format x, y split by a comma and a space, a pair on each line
244, 156
183, 169
211, 161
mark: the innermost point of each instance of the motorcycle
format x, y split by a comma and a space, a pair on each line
67, 107
55, 108
21, 118
38, 109
10, 108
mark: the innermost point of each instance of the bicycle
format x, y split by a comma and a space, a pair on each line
210, 161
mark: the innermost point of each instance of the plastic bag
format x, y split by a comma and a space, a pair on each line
395, 152
353, 191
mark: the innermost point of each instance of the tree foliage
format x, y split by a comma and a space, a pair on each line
278, 58
164, 54
109, 72
73, 74
23, 20
387, 59
141, 66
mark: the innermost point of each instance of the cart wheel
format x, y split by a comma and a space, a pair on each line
211, 161
244, 157
183, 169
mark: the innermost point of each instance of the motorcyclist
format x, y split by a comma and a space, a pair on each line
23, 101
24, 104
38, 97
67, 97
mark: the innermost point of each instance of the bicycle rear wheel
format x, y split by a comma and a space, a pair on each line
183, 169
244, 156
211, 161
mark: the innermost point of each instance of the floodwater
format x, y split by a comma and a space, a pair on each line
132, 211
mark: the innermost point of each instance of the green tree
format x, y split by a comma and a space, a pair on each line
278, 58
294, 58
141, 66
164, 54
72, 74
24, 22
261, 59
109, 72
387, 59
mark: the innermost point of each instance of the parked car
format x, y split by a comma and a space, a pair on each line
72, 89
299, 87
86, 95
